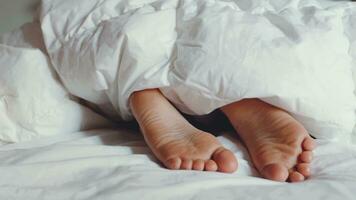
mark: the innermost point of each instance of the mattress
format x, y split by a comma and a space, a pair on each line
117, 164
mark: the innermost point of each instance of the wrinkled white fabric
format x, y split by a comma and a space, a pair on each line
117, 164
203, 54
33, 103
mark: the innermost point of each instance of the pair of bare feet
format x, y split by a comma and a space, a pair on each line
280, 147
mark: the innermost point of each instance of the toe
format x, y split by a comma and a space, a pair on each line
198, 165
173, 163
295, 176
186, 164
306, 156
211, 165
225, 160
309, 144
275, 172
304, 169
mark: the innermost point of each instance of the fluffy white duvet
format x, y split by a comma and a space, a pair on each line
204, 54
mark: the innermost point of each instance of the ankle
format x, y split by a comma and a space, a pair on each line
138, 97
152, 109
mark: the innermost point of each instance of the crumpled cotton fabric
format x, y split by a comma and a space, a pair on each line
204, 54
115, 164
33, 102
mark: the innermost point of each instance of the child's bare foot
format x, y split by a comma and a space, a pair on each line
280, 146
175, 142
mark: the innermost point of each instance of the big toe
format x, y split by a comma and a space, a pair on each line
275, 171
225, 160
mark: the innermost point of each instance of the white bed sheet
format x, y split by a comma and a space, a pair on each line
116, 164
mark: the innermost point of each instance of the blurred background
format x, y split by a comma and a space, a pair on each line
14, 13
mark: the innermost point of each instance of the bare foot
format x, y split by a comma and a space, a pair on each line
279, 146
174, 141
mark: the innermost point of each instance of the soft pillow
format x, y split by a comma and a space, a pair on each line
33, 103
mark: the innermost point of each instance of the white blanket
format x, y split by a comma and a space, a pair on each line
204, 54
112, 165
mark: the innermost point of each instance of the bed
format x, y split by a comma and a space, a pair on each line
56, 158
117, 164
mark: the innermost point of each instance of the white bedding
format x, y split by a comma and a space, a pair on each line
109, 164
116, 164
292, 54
203, 54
